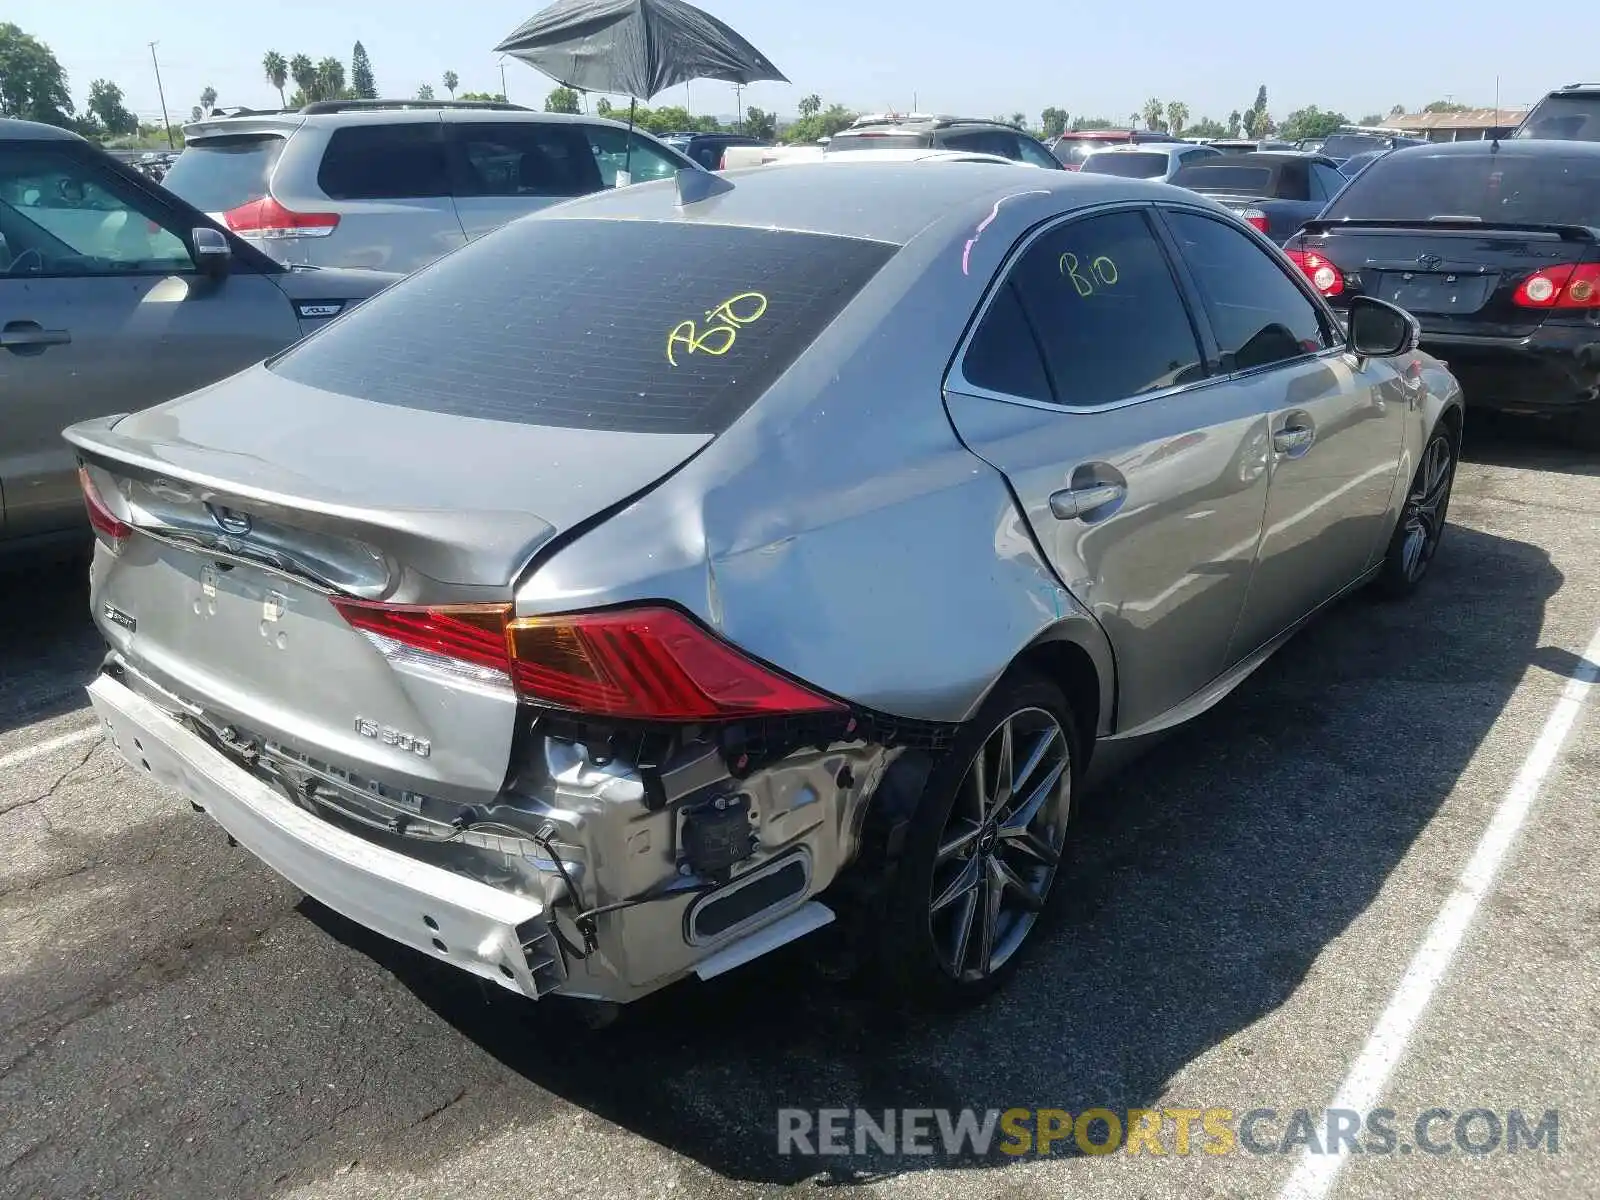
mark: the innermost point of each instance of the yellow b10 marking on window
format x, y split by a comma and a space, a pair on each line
1102, 271
722, 329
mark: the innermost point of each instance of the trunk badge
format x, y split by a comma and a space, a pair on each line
1429, 261
230, 521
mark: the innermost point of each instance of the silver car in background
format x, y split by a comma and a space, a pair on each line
657, 579
1148, 160
394, 184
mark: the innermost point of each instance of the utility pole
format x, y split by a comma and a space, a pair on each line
165, 120
738, 104
504, 95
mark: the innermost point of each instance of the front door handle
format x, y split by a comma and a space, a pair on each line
23, 337
1295, 439
1075, 502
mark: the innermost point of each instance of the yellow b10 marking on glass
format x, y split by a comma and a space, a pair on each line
1102, 271
724, 322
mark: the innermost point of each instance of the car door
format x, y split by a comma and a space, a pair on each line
505, 169
1142, 477
102, 310
1336, 424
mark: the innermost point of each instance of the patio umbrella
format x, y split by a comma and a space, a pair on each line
634, 48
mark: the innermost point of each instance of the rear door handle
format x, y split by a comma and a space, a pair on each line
1075, 502
22, 336
1294, 440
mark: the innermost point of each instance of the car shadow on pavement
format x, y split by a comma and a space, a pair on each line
49, 647
1500, 440
1204, 882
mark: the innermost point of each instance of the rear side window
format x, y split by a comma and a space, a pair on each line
385, 162
1564, 118
1100, 302
1209, 177
525, 159
1133, 165
639, 326
1415, 185
216, 174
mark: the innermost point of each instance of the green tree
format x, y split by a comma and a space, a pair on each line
425, 92
759, 123
1399, 110
106, 108
452, 81
1205, 127
1372, 119
603, 107
1235, 123
1444, 106
32, 84
810, 105
1258, 121
208, 100
562, 100
1311, 122
819, 125
1177, 114
362, 81
493, 97
330, 76
1092, 123
276, 69
1053, 121
304, 73
1152, 113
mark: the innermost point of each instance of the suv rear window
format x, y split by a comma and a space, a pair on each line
1564, 118
1132, 165
216, 174
385, 162
1219, 178
1072, 150
1343, 145
879, 141
1414, 185
636, 326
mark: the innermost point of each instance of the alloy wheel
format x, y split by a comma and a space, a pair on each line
1001, 845
1426, 505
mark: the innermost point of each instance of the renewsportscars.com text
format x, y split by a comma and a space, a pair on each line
833, 1132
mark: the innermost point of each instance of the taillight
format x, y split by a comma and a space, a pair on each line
108, 527
1571, 285
648, 663
722, 160
1324, 276
1254, 216
266, 218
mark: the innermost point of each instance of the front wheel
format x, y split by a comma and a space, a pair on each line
1422, 520
984, 847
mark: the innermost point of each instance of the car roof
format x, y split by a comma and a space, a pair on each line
1511, 147
1269, 158
35, 131
825, 198
919, 154
287, 122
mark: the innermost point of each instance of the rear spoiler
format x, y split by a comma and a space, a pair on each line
1567, 233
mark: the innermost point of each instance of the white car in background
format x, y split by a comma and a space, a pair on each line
765, 156
1146, 160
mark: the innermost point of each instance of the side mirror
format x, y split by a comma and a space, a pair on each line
212, 254
1378, 329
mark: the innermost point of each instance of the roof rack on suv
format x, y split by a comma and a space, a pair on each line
339, 106
938, 122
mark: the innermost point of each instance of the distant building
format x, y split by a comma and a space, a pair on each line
1473, 125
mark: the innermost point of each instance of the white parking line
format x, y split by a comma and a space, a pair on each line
1314, 1176
39, 749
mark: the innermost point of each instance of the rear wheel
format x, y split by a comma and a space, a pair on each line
984, 847
1422, 520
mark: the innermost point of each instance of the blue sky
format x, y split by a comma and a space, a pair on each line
1018, 55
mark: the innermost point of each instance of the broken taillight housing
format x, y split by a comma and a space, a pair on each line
108, 527
1324, 276
647, 663
1569, 285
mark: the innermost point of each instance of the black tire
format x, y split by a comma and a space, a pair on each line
1423, 516
1583, 428
916, 945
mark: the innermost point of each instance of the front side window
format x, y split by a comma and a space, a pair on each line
614, 152
1098, 299
1037, 155
386, 162
63, 215
1258, 313
525, 159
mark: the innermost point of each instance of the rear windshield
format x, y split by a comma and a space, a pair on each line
221, 173
1219, 178
639, 326
1133, 165
878, 141
1075, 150
1415, 185
1343, 145
1564, 118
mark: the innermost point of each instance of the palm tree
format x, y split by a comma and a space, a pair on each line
1152, 113
208, 100
811, 105
330, 73
1177, 115
1133, 120
451, 82
277, 71
304, 73
425, 92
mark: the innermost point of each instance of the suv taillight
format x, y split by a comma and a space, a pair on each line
1570, 285
647, 663
266, 218
1324, 276
1254, 216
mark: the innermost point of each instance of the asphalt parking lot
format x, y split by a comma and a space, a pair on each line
175, 1021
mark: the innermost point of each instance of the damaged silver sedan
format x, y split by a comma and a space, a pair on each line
643, 586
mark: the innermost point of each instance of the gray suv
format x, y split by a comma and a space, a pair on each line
393, 185
919, 131
114, 296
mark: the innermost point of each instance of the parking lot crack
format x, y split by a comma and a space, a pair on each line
56, 786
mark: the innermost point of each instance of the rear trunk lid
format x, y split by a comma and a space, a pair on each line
1455, 278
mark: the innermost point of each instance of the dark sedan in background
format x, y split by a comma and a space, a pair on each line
1277, 191
1493, 247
